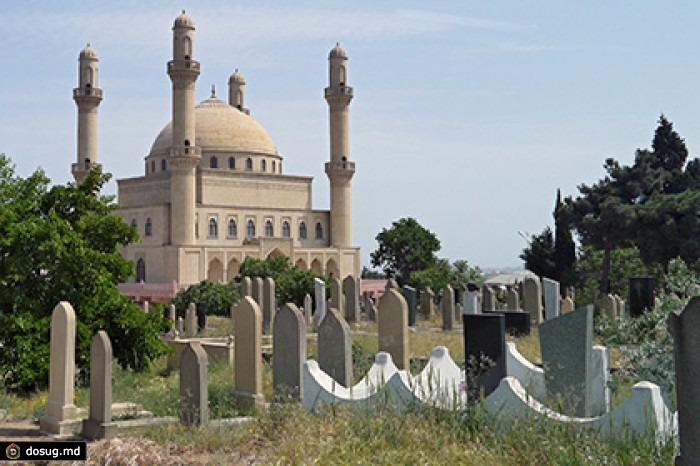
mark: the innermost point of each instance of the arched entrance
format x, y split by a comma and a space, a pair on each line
216, 271
233, 268
332, 269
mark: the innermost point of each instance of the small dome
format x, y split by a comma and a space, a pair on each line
236, 77
338, 52
183, 21
88, 53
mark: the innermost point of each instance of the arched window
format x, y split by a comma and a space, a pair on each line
140, 271
163, 164
187, 47
269, 231
153, 166
232, 229
274, 167
285, 229
213, 228
249, 164
149, 227
263, 165
213, 163
232, 163
250, 229
302, 230
319, 230
133, 223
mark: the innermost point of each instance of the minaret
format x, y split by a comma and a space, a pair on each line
87, 97
340, 169
184, 155
236, 92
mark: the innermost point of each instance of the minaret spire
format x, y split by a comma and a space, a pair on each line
87, 97
340, 169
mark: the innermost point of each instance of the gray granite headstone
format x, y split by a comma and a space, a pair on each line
370, 308
269, 303
426, 302
246, 287
288, 351
337, 300
566, 344
471, 302
194, 394
351, 289
550, 289
641, 295
488, 299
308, 308
686, 339
512, 300
411, 297
320, 301
335, 347
257, 290
532, 299
447, 305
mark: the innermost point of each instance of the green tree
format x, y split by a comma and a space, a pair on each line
291, 282
441, 273
405, 248
60, 244
564, 247
218, 297
539, 254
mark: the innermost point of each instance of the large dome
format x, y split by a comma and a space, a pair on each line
220, 127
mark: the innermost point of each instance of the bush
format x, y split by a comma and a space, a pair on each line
218, 297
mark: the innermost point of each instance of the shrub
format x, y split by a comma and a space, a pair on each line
218, 297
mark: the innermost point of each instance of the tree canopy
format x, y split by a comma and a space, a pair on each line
291, 282
405, 248
60, 244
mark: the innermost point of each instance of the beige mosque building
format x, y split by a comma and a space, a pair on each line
213, 191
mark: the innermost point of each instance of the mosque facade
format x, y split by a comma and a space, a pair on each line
213, 192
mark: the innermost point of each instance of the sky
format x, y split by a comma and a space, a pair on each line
467, 116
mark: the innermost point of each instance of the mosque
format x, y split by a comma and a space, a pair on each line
213, 192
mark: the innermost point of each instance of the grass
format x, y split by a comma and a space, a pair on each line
287, 434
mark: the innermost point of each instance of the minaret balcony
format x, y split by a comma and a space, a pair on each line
80, 92
183, 65
341, 90
185, 152
341, 170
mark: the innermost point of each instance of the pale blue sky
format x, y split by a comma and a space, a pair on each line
467, 115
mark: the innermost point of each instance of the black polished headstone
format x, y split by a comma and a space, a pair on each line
484, 352
201, 316
641, 295
517, 322
409, 293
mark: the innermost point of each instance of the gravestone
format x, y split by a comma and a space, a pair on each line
488, 299
258, 286
427, 303
247, 320
370, 308
60, 410
393, 327
146, 307
447, 306
335, 348
337, 300
191, 321
532, 299
567, 305
516, 322
610, 305
194, 386
391, 283
246, 287
351, 288
172, 313
484, 352
99, 424
268, 304
288, 351
641, 295
180, 326
512, 300
308, 308
320, 300
566, 344
551, 298
411, 297
201, 316
471, 303
621, 311
686, 343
